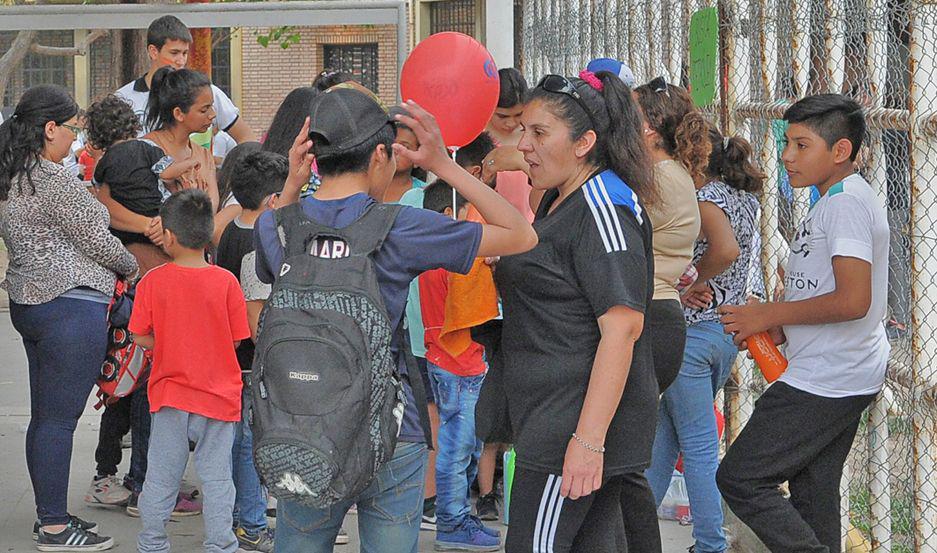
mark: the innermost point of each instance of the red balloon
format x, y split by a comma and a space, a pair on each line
453, 77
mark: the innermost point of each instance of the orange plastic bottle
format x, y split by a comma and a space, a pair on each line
767, 355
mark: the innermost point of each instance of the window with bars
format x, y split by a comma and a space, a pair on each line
453, 15
221, 59
41, 69
358, 59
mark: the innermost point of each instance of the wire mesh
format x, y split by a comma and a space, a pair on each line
882, 53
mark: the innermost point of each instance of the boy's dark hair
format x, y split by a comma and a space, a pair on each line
109, 120
167, 28
513, 87
331, 77
256, 176
189, 216
230, 166
475, 151
357, 158
438, 196
833, 117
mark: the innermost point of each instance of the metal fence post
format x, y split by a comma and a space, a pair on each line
924, 269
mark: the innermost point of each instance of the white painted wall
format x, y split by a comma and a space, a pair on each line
499, 31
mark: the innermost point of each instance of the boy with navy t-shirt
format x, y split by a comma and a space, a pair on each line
354, 150
832, 316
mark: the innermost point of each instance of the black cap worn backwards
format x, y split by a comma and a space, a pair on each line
342, 118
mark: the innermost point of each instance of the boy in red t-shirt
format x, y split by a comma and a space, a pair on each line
456, 383
192, 315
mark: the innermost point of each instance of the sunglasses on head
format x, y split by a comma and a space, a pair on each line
558, 84
659, 85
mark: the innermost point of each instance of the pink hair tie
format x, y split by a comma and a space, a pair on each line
590, 78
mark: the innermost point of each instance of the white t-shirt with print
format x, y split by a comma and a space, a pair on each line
138, 94
849, 358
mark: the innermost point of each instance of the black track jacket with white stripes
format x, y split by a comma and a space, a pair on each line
594, 253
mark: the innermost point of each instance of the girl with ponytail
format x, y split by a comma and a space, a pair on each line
182, 103
145, 172
578, 376
722, 256
676, 137
63, 267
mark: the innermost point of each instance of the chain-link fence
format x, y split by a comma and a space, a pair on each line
883, 53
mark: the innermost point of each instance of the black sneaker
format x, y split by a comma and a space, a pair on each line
133, 508
73, 539
73, 521
429, 514
487, 507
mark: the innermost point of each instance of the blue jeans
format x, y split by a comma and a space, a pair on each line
686, 424
250, 506
459, 449
389, 511
65, 341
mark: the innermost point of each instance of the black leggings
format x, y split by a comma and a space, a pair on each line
542, 520
115, 423
667, 330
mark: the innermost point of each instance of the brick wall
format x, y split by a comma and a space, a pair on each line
269, 74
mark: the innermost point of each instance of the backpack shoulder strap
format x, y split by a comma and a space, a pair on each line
366, 235
295, 230
415, 380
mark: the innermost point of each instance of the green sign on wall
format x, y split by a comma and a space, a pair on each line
704, 55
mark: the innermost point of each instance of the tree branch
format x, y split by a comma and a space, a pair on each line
224, 36
13, 57
77, 50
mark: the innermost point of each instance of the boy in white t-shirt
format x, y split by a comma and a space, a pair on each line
167, 43
832, 317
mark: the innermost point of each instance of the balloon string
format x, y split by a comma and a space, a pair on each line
455, 214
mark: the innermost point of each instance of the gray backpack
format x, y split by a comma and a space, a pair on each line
327, 400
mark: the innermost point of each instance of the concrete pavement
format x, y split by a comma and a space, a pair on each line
17, 509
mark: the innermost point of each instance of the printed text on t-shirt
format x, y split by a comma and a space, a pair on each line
329, 248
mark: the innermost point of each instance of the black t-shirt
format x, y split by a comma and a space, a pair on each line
127, 168
594, 253
237, 242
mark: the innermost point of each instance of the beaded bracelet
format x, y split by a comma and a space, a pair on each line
588, 446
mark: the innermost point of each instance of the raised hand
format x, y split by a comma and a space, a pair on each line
432, 151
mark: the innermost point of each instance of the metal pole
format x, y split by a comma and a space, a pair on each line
878, 439
834, 44
923, 97
403, 44
227, 14
801, 61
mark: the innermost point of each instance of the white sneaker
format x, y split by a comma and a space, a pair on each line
107, 491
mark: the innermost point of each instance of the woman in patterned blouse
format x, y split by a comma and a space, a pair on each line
63, 267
